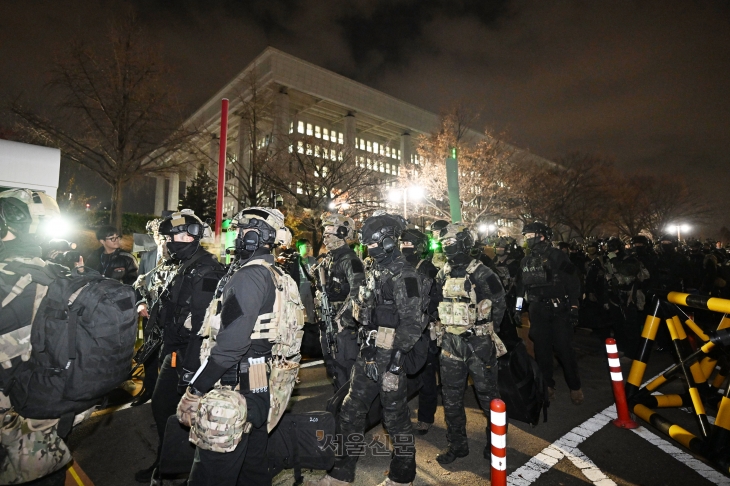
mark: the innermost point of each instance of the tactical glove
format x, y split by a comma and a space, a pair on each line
391, 377
371, 366
188, 407
573, 316
185, 380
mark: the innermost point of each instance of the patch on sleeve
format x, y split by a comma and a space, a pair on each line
209, 284
495, 286
231, 309
357, 266
412, 287
567, 267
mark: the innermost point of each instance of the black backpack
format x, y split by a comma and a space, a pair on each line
521, 386
302, 441
80, 352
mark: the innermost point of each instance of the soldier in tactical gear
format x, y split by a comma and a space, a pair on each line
180, 316
414, 246
672, 268
623, 297
438, 258
470, 310
343, 274
244, 304
22, 212
549, 283
390, 309
507, 266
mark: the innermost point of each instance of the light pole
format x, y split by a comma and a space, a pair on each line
679, 228
416, 193
487, 229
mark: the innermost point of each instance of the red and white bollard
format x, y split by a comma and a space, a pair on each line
617, 380
498, 424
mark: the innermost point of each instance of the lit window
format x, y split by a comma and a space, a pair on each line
291, 127
387, 151
300, 147
387, 167
300, 127
291, 148
309, 149
340, 137
370, 164
362, 144
398, 154
299, 188
332, 154
339, 156
325, 134
382, 150
309, 129
317, 131
375, 147
324, 171
382, 169
316, 150
370, 146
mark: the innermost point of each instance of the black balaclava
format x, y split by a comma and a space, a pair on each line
181, 250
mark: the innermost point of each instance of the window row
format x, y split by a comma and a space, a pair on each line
316, 131
378, 165
377, 148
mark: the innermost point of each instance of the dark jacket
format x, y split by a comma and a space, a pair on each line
345, 275
547, 273
119, 265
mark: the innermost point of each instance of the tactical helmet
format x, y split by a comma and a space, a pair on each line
538, 228
458, 234
670, 238
415, 237
383, 229
437, 226
23, 210
338, 225
284, 237
641, 240
268, 223
592, 244
184, 221
614, 243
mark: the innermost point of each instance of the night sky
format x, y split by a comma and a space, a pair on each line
643, 83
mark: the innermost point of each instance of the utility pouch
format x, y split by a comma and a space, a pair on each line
283, 377
220, 421
257, 379
386, 336
457, 314
437, 332
455, 288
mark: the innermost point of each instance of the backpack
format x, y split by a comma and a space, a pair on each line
417, 356
521, 386
302, 441
82, 341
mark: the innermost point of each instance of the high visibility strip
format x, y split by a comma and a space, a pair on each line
651, 326
614, 363
668, 401
499, 441
656, 383
637, 373
617, 376
497, 418
611, 348
75, 476
499, 463
700, 302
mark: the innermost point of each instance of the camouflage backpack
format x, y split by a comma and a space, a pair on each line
220, 421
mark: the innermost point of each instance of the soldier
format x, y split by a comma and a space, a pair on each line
437, 257
414, 246
672, 268
244, 336
181, 313
507, 266
471, 308
21, 213
624, 296
390, 310
343, 274
549, 283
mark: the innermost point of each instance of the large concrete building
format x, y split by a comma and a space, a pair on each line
311, 101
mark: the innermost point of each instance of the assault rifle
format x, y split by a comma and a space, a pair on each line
325, 309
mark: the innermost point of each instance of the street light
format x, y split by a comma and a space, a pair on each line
416, 193
679, 228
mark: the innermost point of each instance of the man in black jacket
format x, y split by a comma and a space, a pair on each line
110, 260
181, 315
343, 274
549, 282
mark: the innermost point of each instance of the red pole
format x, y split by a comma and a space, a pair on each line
498, 424
617, 380
221, 171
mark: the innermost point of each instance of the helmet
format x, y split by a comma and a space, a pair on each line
338, 225
184, 221
563, 245
383, 229
614, 243
269, 226
284, 237
640, 240
23, 210
670, 238
538, 228
464, 239
437, 226
418, 239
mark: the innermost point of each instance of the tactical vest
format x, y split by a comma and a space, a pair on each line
536, 271
460, 310
503, 273
283, 326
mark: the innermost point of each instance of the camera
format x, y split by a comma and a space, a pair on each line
62, 252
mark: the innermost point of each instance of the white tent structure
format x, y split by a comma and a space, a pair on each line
29, 166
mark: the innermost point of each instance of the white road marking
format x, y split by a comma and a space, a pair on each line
312, 363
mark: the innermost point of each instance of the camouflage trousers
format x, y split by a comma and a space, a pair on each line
340, 366
396, 418
459, 359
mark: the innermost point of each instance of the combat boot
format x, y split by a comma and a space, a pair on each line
576, 396
551, 394
327, 480
390, 482
450, 454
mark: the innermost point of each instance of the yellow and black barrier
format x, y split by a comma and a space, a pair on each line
695, 367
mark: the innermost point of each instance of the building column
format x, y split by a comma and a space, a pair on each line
243, 158
281, 119
159, 195
405, 149
350, 132
173, 197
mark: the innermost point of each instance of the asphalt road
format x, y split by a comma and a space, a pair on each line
109, 448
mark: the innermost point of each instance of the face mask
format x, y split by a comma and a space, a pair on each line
592, 251
451, 251
378, 254
332, 242
499, 251
532, 242
408, 251
182, 250
640, 250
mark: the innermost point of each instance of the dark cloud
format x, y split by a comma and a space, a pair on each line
642, 82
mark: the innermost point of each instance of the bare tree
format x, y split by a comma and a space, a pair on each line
115, 112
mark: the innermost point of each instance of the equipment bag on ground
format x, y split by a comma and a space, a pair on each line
82, 341
521, 386
302, 441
